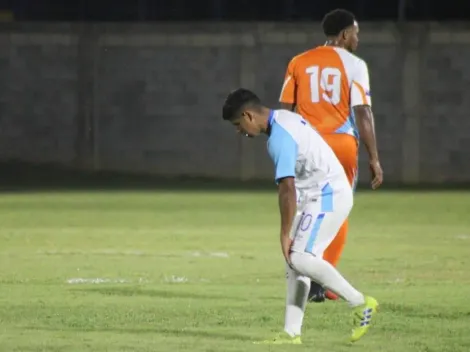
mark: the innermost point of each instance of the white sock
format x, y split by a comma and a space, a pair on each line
297, 292
326, 275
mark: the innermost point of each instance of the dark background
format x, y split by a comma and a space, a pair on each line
60, 79
229, 10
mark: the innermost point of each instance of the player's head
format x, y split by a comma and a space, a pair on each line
340, 26
244, 110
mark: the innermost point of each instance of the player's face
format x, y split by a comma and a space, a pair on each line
351, 37
246, 125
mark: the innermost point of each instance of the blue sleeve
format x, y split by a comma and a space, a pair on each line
283, 151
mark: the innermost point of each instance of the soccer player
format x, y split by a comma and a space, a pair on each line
313, 184
329, 87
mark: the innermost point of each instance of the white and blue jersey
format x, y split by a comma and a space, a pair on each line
298, 151
324, 195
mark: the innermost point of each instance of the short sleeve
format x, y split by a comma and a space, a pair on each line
360, 88
282, 149
288, 87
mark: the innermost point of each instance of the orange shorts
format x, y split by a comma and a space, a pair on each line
346, 149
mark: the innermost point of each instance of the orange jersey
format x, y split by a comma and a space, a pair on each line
325, 83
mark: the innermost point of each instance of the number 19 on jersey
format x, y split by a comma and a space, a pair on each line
328, 80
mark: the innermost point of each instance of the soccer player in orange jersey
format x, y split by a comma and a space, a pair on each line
329, 87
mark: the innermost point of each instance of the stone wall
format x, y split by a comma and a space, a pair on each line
147, 98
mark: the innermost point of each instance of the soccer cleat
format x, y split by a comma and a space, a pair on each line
281, 339
362, 317
316, 293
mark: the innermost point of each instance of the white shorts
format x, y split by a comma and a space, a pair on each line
319, 220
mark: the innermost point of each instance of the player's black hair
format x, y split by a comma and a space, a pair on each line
336, 21
237, 100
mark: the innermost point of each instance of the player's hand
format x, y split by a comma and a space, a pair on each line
286, 244
288, 261
377, 173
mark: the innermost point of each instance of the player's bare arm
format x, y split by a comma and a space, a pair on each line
287, 208
366, 126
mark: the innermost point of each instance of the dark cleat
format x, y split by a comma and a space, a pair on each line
317, 293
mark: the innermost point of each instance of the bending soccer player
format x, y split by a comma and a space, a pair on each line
329, 87
313, 184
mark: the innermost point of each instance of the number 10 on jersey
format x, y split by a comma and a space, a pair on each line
325, 83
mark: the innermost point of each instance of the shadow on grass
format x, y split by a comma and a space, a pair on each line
133, 292
183, 332
425, 312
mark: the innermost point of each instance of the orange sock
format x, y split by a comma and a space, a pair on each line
333, 253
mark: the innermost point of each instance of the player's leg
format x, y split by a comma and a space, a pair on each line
346, 150
311, 241
296, 301
319, 270
297, 287
323, 272
311, 264
334, 251
314, 231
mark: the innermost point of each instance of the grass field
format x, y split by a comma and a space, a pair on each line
200, 271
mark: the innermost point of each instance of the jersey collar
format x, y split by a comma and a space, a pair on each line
270, 121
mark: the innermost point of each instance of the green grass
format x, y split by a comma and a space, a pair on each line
409, 250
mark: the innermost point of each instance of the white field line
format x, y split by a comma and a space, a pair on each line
135, 253
105, 231
100, 280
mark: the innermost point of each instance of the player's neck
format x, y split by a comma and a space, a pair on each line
333, 42
265, 120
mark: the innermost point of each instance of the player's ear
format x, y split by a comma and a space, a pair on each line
248, 115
